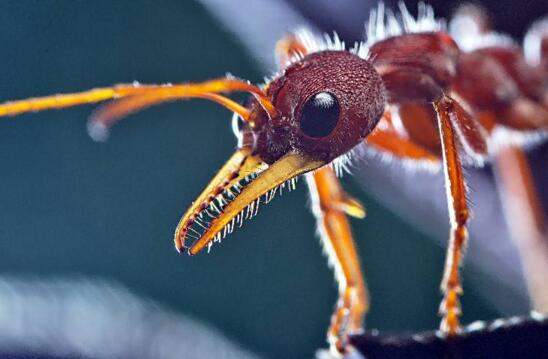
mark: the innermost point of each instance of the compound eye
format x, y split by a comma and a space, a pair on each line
320, 115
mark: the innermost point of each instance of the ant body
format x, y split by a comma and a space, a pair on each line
413, 92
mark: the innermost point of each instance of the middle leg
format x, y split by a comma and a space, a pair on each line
330, 205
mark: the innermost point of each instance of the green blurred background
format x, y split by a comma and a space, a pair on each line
71, 206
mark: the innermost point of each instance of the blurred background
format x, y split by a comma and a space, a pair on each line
72, 208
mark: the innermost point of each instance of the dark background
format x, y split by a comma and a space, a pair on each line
71, 206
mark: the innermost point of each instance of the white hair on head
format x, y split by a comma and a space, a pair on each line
314, 43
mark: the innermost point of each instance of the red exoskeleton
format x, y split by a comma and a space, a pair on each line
412, 91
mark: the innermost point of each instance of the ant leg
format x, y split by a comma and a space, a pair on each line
420, 125
386, 138
399, 146
458, 214
525, 221
330, 205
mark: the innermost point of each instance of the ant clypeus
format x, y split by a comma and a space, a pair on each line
411, 91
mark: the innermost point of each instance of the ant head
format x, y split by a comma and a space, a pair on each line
327, 103
319, 108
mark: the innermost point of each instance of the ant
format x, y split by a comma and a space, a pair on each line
413, 92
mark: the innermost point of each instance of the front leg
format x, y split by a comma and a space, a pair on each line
330, 205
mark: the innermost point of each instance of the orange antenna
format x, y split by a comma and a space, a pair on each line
137, 97
103, 118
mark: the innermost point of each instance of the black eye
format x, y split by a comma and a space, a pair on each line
320, 115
